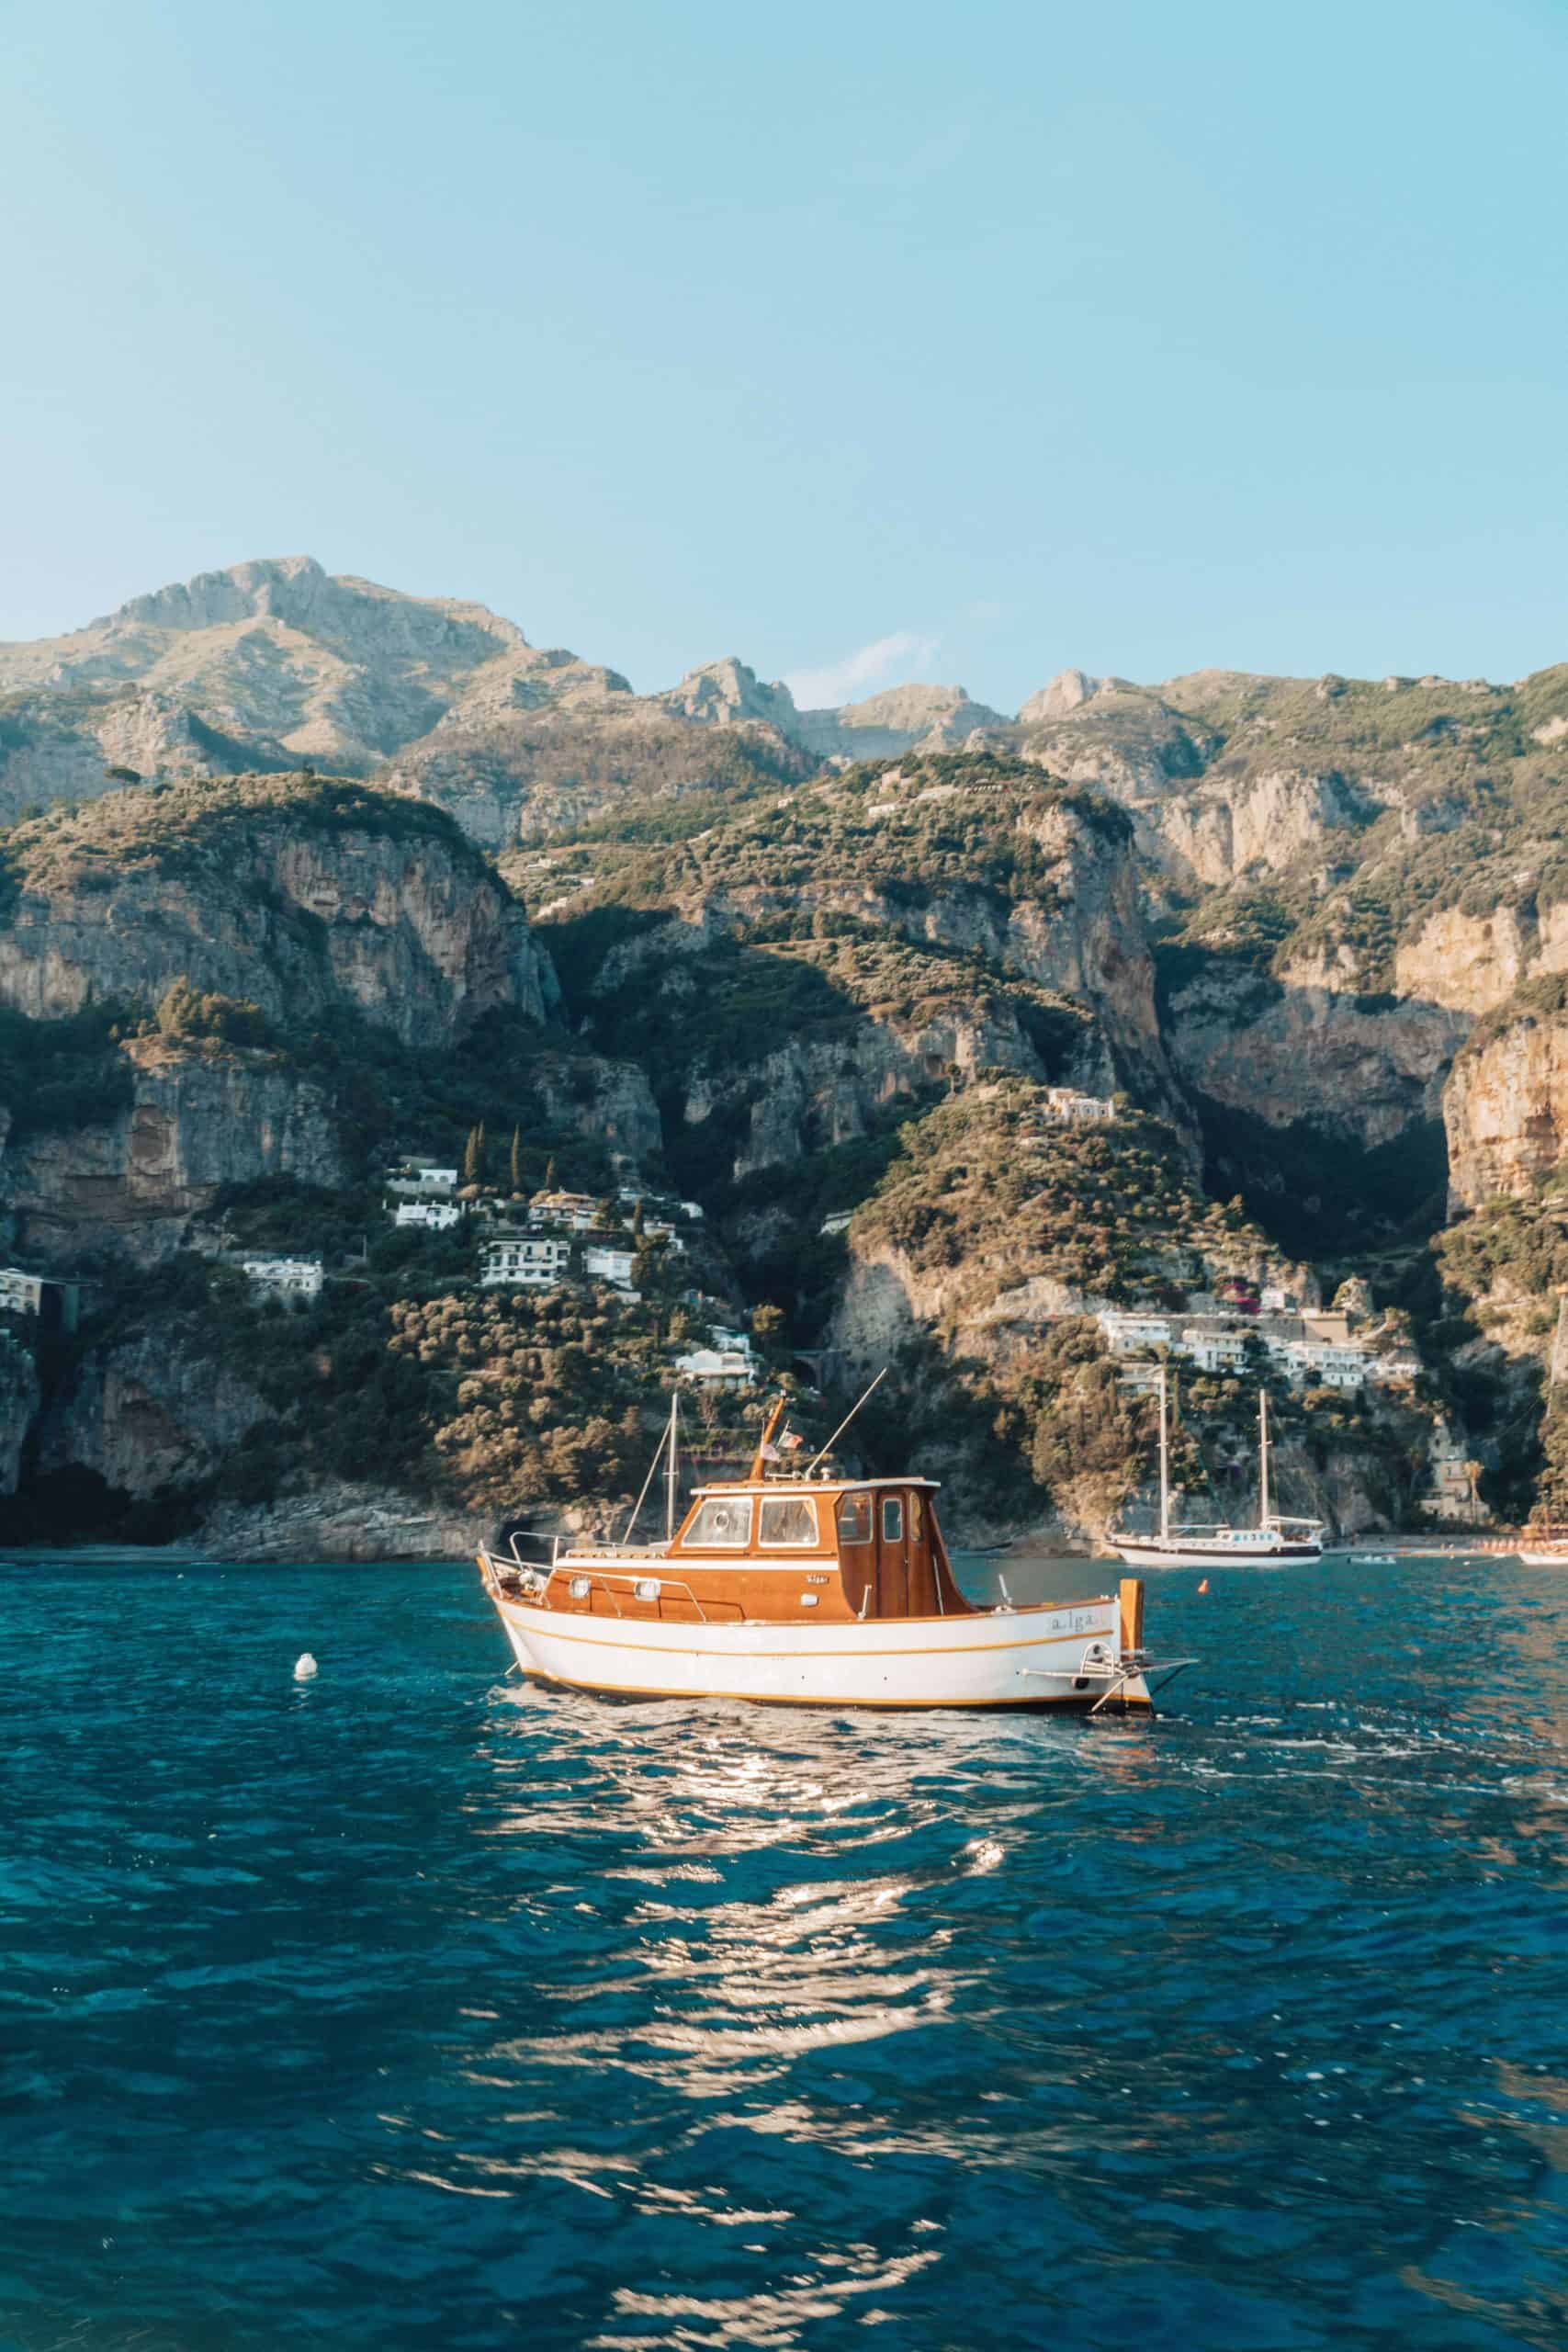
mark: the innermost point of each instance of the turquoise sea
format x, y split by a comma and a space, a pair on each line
410, 2008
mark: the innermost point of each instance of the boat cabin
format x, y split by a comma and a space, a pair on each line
864, 1548
779, 1549
778, 1546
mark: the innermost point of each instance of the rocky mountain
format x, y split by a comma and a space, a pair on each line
808, 968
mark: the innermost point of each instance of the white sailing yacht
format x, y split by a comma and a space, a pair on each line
1273, 1541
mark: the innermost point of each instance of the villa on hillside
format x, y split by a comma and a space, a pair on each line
1064, 1106
529, 1261
421, 1176
54, 1300
664, 1205
730, 1362
284, 1277
437, 1215
577, 1212
604, 1263
1453, 1495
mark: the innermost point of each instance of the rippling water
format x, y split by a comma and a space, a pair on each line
409, 2006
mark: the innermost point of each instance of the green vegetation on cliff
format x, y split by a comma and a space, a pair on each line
986, 1194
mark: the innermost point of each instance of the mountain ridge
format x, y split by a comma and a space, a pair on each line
1304, 939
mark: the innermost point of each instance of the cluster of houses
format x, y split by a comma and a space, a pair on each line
1310, 1347
556, 1238
558, 1227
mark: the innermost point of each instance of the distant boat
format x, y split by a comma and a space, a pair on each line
1545, 1550
1372, 1560
1274, 1540
814, 1589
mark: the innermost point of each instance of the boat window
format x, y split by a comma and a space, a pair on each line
723, 1519
788, 1519
854, 1519
892, 1520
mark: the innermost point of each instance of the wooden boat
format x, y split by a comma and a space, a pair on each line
1274, 1541
1544, 1545
808, 1588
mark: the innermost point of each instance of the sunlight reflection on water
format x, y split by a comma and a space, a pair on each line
418, 2008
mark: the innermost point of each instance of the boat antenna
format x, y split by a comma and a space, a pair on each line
843, 1425
674, 1444
1263, 1451
1164, 1451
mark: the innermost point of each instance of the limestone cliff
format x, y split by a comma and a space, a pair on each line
294, 895
197, 1120
18, 1405
153, 1411
1505, 1103
808, 1095
970, 859
1470, 962
1322, 1055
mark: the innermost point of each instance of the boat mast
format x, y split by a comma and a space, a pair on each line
1163, 1455
775, 1415
1263, 1455
670, 1487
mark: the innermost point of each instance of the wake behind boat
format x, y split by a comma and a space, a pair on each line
810, 1589
1274, 1540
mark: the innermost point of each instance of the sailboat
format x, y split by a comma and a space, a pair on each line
1274, 1540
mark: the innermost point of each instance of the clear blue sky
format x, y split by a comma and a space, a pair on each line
1134, 336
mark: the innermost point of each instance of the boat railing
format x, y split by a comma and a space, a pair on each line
546, 1555
608, 1578
549, 1552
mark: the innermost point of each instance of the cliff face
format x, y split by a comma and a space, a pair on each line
294, 897
531, 773
807, 1096
1505, 1105
1285, 1053
1473, 962
151, 1413
1062, 914
197, 1121
18, 1404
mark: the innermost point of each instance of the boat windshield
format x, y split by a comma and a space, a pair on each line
788, 1520
724, 1520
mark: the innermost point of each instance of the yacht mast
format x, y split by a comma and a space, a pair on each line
1164, 1456
670, 1475
1263, 1453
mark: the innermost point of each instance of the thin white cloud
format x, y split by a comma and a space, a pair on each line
885, 661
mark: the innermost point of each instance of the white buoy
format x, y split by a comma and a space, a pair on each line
304, 1667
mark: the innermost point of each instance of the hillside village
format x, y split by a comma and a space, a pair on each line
551, 1240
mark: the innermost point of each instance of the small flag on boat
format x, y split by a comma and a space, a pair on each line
1203, 1586
791, 1441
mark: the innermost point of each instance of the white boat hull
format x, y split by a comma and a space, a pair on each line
1018, 1657
1170, 1551
1557, 1559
